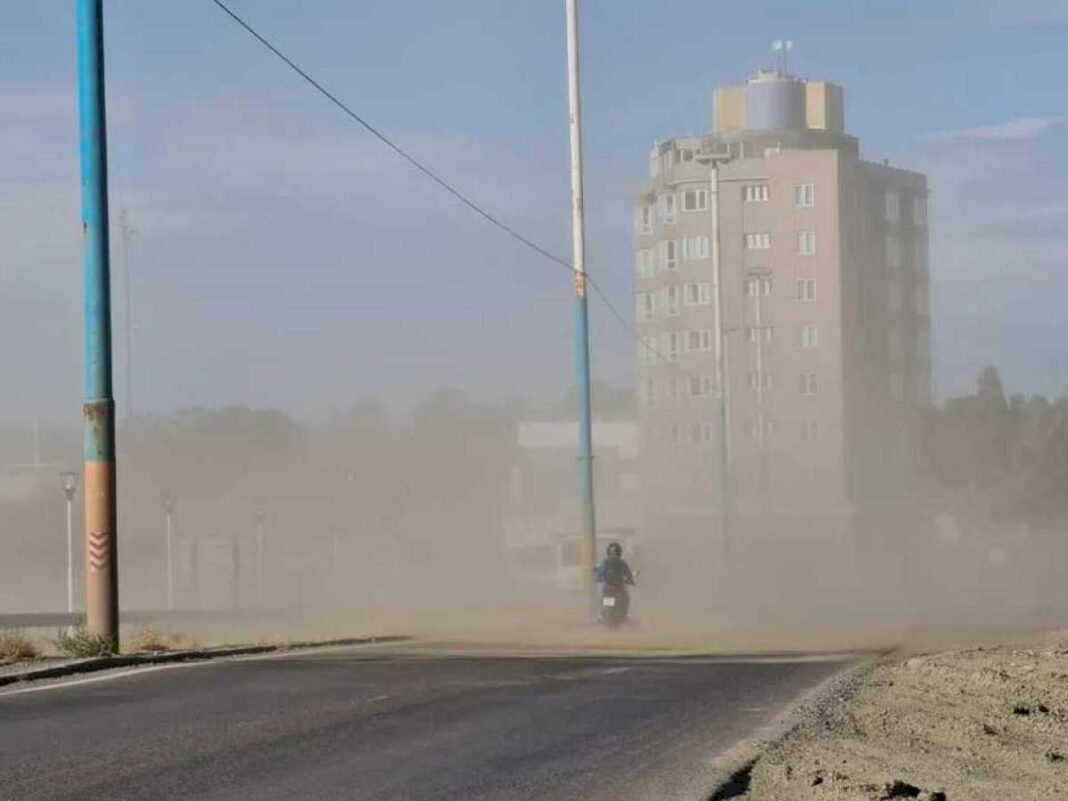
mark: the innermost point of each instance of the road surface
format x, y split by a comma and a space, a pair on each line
395, 722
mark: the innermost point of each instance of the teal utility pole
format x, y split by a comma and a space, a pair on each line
101, 552
582, 328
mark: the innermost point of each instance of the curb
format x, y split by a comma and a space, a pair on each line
95, 664
732, 768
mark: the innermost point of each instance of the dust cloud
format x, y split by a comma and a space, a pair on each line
367, 523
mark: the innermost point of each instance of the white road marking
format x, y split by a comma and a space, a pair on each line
421, 652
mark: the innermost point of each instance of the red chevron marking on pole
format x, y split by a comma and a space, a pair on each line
99, 553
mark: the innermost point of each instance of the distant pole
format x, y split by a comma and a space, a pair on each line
124, 228
722, 394
168, 509
259, 558
582, 329
235, 570
102, 577
69, 481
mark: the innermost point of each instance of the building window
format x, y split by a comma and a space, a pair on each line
759, 380
806, 290
699, 340
893, 298
761, 334
809, 339
923, 301
893, 251
686, 155
671, 301
700, 433
760, 241
695, 200
806, 243
896, 345
669, 255
756, 193
897, 386
923, 388
698, 295
804, 195
677, 387
672, 346
645, 219
919, 210
921, 254
695, 247
667, 208
645, 263
808, 384
923, 348
754, 430
647, 350
810, 431
758, 286
646, 306
700, 386
893, 205
649, 392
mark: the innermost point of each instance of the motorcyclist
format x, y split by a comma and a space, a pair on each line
613, 569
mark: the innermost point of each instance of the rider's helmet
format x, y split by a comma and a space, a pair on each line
615, 549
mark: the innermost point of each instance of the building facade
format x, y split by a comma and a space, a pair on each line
769, 253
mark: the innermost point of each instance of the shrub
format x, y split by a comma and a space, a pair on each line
15, 645
149, 640
81, 643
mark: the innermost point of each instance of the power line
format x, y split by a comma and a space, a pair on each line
452, 190
404, 154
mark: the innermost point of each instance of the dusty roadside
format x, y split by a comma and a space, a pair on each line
983, 724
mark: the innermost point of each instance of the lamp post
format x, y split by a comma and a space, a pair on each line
69, 481
168, 510
259, 558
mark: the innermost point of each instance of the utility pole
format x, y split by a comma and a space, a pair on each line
582, 328
124, 229
102, 577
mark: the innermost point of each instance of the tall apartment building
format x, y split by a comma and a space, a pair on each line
772, 236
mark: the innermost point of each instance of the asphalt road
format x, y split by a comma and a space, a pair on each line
395, 722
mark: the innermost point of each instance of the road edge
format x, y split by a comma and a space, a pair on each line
731, 769
96, 664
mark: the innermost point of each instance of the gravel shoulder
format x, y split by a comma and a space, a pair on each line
983, 724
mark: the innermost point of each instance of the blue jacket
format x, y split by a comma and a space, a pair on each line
617, 565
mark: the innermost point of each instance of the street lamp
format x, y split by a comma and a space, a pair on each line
168, 508
259, 558
69, 482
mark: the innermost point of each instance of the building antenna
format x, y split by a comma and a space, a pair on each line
783, 48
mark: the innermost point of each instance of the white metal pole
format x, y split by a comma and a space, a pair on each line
70, 553
259, 559
170, 561
575, 128
582, 336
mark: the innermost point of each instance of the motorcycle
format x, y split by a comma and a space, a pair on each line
615, 605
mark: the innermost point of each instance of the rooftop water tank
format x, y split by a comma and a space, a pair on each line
774, 102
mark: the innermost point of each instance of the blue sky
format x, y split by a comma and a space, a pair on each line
283, 257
